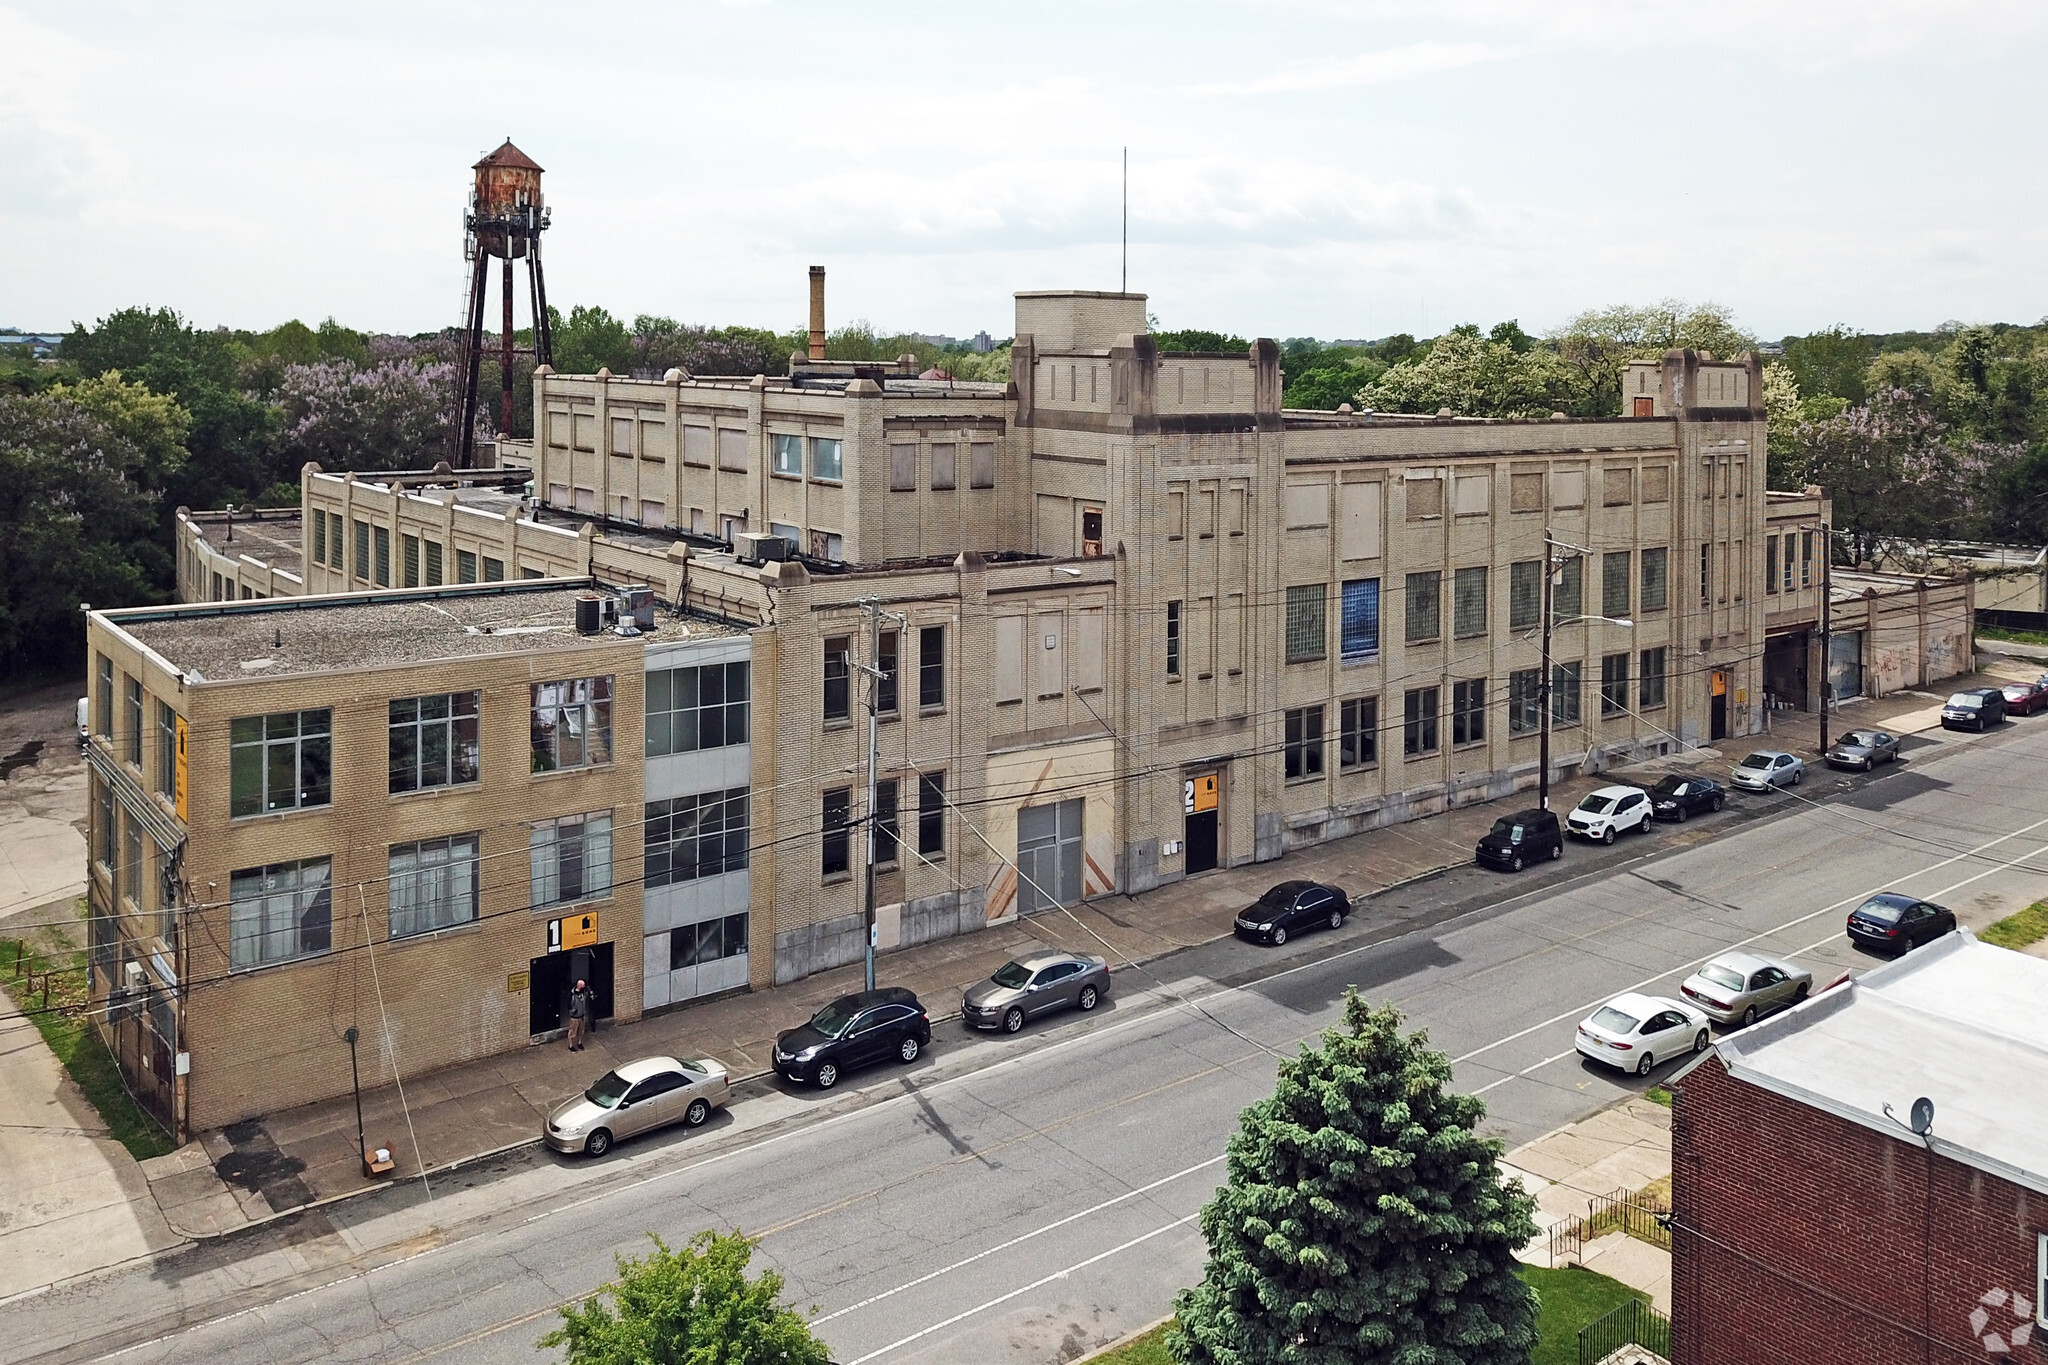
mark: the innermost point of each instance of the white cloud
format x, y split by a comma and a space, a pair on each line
1405, 63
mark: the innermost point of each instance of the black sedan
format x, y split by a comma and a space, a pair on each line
1290, 908
1864, 749
1679, 797
1893, 922
854, 1031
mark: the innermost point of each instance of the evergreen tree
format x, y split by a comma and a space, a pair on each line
1363, 1220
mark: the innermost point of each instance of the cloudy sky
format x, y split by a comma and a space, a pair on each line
1318, 169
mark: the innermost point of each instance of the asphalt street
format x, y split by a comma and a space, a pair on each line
1027, 1198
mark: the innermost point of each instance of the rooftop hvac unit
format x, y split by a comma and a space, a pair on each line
755, 547
635, 606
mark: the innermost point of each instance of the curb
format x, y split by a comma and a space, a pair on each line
1124, 1340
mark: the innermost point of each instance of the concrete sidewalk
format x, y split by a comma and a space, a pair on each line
1626, 1147
294, 1157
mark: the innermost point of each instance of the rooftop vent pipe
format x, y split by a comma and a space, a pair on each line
817, 312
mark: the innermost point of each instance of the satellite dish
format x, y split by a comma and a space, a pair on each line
1923, 1115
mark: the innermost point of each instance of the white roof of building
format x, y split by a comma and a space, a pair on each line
1960, 1022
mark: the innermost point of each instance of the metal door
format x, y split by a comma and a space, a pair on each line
1717, 726
1048, 856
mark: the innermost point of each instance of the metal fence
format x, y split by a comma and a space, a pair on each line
1637, 1213
1634, 1323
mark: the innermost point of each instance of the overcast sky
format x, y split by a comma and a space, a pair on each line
1297, 169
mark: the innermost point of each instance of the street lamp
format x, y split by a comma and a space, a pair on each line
1553, 561
1827, 635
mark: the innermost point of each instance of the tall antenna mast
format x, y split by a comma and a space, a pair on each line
1125, 288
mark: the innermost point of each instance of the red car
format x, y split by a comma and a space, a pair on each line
2024, 699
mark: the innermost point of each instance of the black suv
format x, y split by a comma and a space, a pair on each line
1974, 708
854, 1031
1520, 839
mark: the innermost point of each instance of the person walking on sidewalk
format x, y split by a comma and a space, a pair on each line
579, 1014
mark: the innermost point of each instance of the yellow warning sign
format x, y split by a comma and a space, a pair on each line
515, 982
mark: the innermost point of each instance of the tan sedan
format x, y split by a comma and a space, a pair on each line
652, 1092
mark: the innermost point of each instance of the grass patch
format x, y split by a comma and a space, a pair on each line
1657, 1094
1570, 1299
1148, 1348
2017, 931
1636, 1220
2024, 637
77, 1044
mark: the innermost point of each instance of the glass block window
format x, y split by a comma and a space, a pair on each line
1307, 622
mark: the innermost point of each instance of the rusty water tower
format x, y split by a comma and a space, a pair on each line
506, 218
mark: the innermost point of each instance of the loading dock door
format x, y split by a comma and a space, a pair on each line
1048, 856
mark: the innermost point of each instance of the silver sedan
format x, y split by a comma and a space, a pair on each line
1737, 988
1864, 749
649, 1093
1033, 985
1768, 768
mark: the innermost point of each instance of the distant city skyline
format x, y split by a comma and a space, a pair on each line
1296, 169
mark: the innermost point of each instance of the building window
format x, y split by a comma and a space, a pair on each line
689, 837
888, 825
103, 718
166, 751
837, 851
435, 741
1706, 572
279, 913
320, 538
944, 460
786, 455
1613, 684
1525, 700
826, 461
1418, 721
409, 560
279, 762
572, 723
888, 666
695, 944
363, 551
1770, 564
571, 858
131, 734
1304, 749
1525, 594
1358, 732
931, 666
494, 570
1568, 596
1616, 569
1656, 579
1307, 624
1173, 639
931, 814
103, 836
1806, 559
707, 707
981, 464
433, 885
1789, 559
131, 859
903, 467
1564, 693
838, 677
1358, 626
1650, 685
1425, 606
333, 539
1468, 602
383, 536
1468, 711
465, 566
434, 577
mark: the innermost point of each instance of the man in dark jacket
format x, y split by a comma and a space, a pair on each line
579, 1014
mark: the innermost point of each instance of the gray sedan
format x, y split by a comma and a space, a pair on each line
1037, 984
1736, 988
1864, 749
649, 1093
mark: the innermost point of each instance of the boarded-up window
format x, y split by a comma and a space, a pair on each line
1176, 514
1055, 518
586, 431
732, 449
1621, 487
558, 427
1048, 668
902, 467
1308, 503
1233, 511
653, 514
1009, 658
1473, 495
1657, 483
942, 464
1525, 492
1358, 520
981, 465
622, 436
1741, 478
1568, 489
697, 446
1425, 497
1088, 650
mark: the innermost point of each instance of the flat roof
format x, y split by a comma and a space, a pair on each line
271, 537
232, 641
1959, 1022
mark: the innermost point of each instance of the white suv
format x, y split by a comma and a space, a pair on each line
1611, 811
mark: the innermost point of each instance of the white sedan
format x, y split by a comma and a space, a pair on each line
1631, 1032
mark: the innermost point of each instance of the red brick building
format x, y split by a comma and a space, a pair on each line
1810, 1225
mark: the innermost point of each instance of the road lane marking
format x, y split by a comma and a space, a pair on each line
1038, 1283
1016, 1241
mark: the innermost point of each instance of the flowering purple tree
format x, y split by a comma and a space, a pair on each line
389, 415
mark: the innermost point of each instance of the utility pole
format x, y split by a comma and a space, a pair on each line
1543, 684
1827, 635
873, 608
